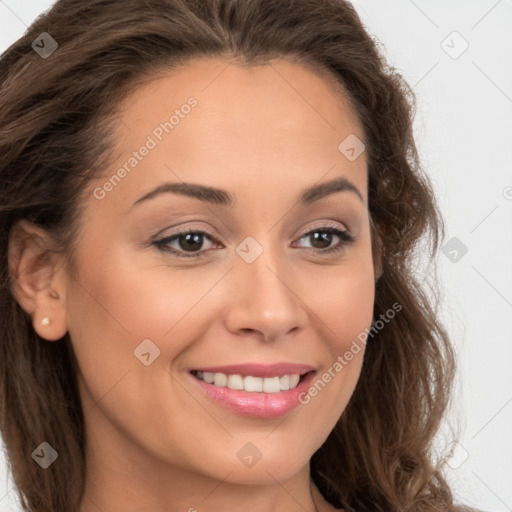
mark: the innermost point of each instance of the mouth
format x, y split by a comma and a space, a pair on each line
250, 383
255, 390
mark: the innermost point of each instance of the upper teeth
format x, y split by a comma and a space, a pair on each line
249, 383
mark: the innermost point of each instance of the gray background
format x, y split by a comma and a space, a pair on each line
463, 129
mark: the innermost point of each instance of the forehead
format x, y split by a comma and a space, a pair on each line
228, 91
219, 123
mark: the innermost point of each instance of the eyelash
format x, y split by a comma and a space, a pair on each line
162, 244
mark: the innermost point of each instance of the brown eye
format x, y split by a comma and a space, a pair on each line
184, 242
322, 238
190, 241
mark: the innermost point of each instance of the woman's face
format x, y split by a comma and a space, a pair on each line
254, 287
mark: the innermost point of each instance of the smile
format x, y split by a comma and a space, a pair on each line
257, 391
250, 383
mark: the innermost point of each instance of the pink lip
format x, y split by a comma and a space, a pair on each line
259, 370
254, 404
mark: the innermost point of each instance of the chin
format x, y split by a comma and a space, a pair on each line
265, 467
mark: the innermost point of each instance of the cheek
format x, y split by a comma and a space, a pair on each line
342, 304
127, 301
349, 308
342, 300
111, 309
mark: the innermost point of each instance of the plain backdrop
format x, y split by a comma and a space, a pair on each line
457, 56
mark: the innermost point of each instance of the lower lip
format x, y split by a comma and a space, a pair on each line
256, 405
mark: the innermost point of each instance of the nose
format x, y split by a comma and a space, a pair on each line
265, 299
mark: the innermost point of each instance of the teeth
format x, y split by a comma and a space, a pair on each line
294, 380
250, 383
253, 384
220, 379
235, 382
284, 382
271, 385
207, 377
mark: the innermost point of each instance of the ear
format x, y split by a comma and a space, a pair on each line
38, 279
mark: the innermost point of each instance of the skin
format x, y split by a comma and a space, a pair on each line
155, 441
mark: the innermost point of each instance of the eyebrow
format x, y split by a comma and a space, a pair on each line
223, 198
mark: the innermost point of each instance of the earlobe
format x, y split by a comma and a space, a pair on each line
38, 279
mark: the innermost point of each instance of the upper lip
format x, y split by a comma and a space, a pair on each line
259, 370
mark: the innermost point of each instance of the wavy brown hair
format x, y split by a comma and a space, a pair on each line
56, 122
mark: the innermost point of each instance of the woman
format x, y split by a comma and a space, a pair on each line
209, 216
